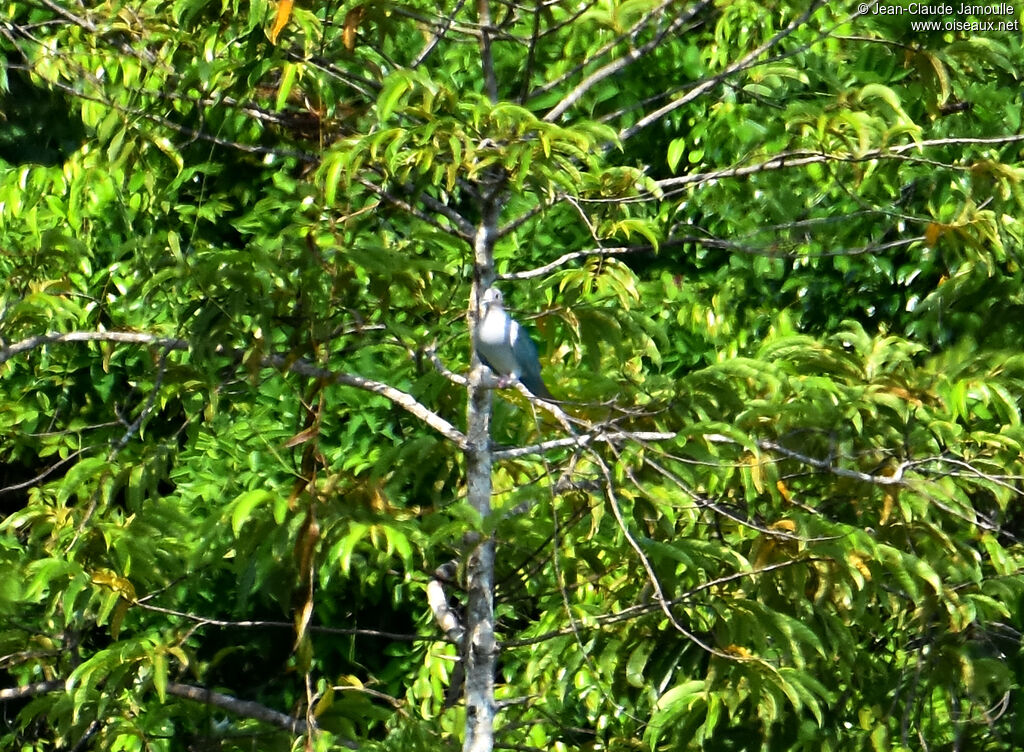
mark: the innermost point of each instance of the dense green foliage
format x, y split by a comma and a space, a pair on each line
796, 299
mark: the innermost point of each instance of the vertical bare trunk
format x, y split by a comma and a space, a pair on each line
480, 645
481, 650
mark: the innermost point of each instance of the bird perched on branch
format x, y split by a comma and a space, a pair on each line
505, 347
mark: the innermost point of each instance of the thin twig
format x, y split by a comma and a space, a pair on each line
279, 362
583, 440
803, 158
206, 621
745, 62
43, 475
632, 55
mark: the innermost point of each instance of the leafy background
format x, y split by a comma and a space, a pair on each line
793, 290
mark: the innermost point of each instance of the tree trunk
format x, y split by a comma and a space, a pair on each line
480, 651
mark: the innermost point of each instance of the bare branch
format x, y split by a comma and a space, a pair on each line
136, 424
461, 227
147, 59
205, 621
708, 242
89, 26
584, 440
439, 22
455, 378
483, 10
780, 161
724, 511
136, 338
999, 480
523, 218
628, 58
531, 53
184, 130
367, 87
439, 34
565, 258
394, 702
549, 407
403, 399
437, 599
897, 478
642, 609
279, 362
244, 708
30, 690
43, 475
709, 83
652, 576
802, 158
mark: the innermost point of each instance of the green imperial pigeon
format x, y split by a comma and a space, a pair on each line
505, 347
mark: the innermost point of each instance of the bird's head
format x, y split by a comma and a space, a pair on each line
491, 297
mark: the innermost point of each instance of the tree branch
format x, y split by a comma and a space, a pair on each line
279, 362
802, 158
897, 478
709, 83
583, 440
460, 227
658, 592
565, 258
206, 621
244, 708
483, 10
41, 476
30, 690
642, 609
437, 599
631, 56
440, 33
89, 26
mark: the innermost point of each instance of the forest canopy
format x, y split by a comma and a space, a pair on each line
258, 492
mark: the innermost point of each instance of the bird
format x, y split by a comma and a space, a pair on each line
505, 347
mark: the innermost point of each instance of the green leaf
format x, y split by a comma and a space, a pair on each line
289, 72
243, 505
160, 675
81, 474
395, 88
637, 662
682, 699
676, 149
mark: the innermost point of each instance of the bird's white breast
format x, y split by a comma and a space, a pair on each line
496, 334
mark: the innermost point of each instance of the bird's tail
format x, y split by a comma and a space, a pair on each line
538, 388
